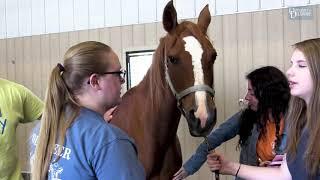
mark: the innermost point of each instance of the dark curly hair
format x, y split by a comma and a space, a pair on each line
271, 88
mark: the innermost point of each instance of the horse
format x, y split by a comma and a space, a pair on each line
179, 81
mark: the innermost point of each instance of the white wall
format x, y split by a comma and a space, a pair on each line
33, 17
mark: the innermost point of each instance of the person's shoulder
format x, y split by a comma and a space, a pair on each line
5, 82
112, 133
11, 87
97, 128
117, 133
7, 85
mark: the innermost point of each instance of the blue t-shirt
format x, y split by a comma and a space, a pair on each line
297, 165
95, 150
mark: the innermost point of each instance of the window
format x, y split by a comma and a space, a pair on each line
138, 63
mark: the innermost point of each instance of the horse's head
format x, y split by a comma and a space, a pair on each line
189, 58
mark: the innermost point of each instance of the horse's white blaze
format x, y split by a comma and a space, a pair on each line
194, 48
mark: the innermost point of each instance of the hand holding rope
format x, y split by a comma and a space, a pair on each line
216, 172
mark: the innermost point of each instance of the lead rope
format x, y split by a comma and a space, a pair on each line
216, 172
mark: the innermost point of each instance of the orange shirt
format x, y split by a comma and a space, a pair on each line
266, 143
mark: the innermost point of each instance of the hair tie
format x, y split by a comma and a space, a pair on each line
61, 68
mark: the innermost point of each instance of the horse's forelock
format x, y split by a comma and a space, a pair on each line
192, 27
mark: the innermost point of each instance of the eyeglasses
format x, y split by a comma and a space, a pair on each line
122, 74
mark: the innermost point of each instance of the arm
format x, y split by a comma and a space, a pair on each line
225, 132
118, 160
217, 162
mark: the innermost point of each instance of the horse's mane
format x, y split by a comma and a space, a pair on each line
155, 76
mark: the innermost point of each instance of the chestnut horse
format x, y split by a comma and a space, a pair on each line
178, 82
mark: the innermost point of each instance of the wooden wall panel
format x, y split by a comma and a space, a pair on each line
45, 63
243, 42
11, 58
36, 61
28, 63
291, 29
245, 61
3, 59
138, 33
63, 45
126, 37
94, 35
105, 35
126, 41
83, 35
259, 39
231, 84
73, 38
275, 38
151, 34
54, 41
309, 27
19, 62
116, 40
160, 31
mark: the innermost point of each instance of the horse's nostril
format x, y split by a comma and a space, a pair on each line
195, 122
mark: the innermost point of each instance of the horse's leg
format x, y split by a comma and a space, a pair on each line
172, 161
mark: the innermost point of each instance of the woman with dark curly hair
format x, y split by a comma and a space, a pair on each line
260, 126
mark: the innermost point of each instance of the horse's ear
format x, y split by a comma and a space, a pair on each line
169, 17
204, 19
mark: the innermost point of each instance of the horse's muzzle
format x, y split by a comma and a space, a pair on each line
195, 124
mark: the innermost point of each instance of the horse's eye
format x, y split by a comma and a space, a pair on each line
173, 60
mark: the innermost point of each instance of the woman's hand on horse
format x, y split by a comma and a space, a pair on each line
108, 114
181, 174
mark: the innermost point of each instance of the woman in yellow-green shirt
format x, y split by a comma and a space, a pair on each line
17, 105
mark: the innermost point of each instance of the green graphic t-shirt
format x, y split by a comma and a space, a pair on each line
17, 105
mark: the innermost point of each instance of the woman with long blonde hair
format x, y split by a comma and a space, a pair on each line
74, 142
303, 149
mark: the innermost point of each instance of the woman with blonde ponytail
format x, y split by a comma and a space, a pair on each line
73, 140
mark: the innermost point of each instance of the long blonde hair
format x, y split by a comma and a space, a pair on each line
302, 115
61, 107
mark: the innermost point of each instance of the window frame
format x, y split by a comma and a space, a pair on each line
130, 54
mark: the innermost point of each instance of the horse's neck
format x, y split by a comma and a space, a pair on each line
164, 104
166, 116
150, 106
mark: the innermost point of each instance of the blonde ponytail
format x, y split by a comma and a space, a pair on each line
54, 122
